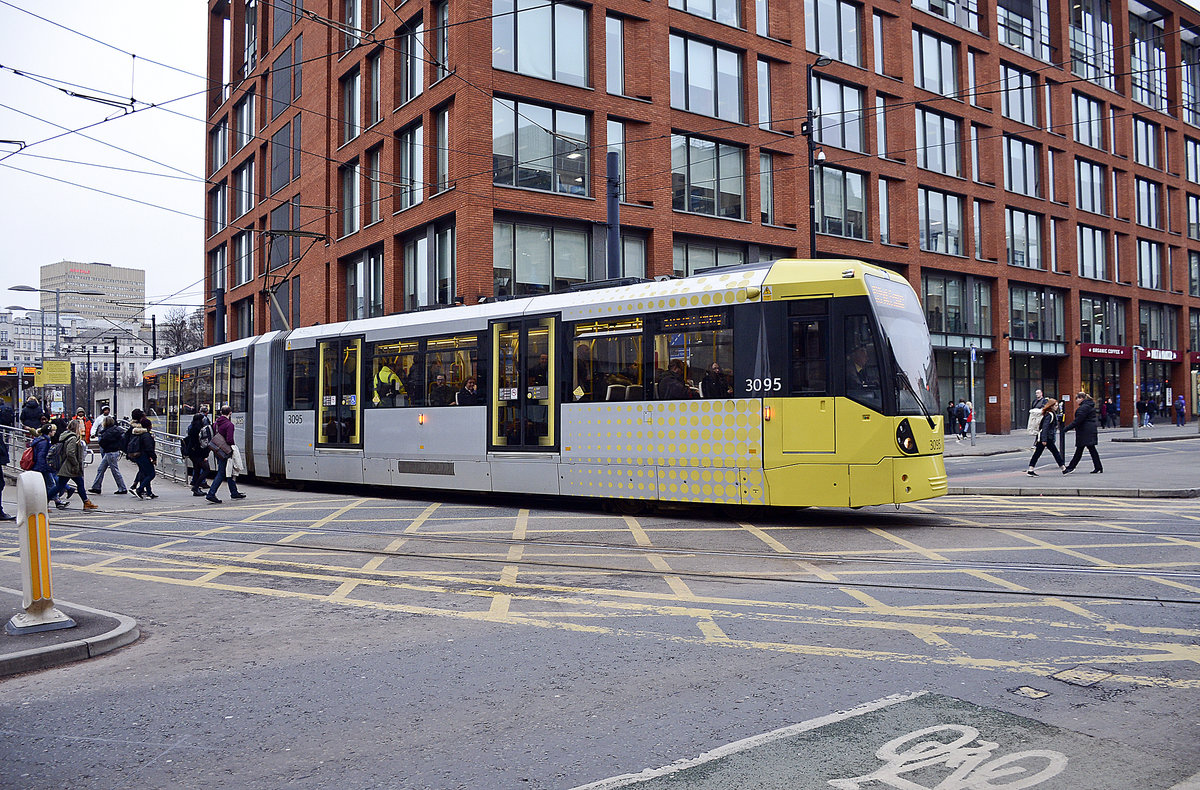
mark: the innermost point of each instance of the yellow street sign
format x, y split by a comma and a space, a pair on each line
54, 373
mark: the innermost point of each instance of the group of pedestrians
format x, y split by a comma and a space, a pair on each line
57, 449
1048, 416
959, 417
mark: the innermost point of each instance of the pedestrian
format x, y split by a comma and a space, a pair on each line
951, 419
31, 414
41, 457
135, 419
1151, 411
962, 415
81, 415
7, 417
141, 450
1047, 435
1084, 425
4, 459
98, 427
1180, 406
222, 446
110, 438
1104, 413
198, 441
71, 467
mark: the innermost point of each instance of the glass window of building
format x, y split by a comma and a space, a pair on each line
410, 64
1093, 253
441, 39
1102, 320
281, 158
1035, 313
616, 144
764, 94
938, 142
547, 40
1021, 167
833, 28
614, 55
374, 185
1089, 186
1091, 40
250, 37
1018, 97
243, 188
964, 13
1023, 231
429, 256
281, 83
364, 284
538, 147
1147, 203
243, 121
1194, 279
707, 177
1194, 331
841, 202
353, 23
762, 17
218, 209
1086, 120
1147, 56
766, 189
956, 304
243, 258
1150, 269
534, 259
935, 63
723, 11
839, 114
706, 79
216, 268
1024, 25
1145, 142
1191, 151
1189, 74
940, 218
351, 88
351, 216
218, 145
410, 187
690, 257
1158, 325
374, 74
633, 255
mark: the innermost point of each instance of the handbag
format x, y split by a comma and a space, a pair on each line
28, 458
220, 447
1034, 426
237, 466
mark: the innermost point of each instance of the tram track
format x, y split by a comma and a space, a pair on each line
825, 561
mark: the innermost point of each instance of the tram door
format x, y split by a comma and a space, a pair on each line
524, 398
339, 408
172, 401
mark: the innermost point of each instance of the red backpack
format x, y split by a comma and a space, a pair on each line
27, 458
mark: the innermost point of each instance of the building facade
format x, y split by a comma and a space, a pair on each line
1031, 166
123, 289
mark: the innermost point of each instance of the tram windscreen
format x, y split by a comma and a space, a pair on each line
904, 326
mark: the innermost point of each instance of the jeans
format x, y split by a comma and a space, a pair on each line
199, 471
63, 485
145, 474
108, 461
222, 467
1038, 453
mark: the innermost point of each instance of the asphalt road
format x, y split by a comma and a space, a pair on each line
358, 640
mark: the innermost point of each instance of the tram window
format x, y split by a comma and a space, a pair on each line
187, 393
862, 362
607, 361
689, 347
394, 374
151, 395
449, 362
204, 387
237, 384
302, 379
809, 357
221, 389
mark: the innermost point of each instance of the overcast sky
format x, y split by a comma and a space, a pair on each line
44, 221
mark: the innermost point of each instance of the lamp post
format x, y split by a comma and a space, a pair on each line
808, 131
1136, 392
58, 292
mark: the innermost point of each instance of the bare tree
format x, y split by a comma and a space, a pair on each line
181, 332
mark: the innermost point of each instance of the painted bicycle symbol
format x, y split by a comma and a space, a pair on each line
972, 765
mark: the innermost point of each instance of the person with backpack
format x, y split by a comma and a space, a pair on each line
110, 446
41, 461
71, 467
141, 450
135, 419
197, 444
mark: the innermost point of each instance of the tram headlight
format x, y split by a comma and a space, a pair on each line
905, 439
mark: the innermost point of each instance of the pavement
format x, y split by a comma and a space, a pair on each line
1163, 461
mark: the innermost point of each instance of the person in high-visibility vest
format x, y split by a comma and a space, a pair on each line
387, 386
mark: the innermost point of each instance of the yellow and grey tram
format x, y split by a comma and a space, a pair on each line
786, 383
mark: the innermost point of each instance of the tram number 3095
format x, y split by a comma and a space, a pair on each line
765, 385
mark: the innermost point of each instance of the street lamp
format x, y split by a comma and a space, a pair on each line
1136, 392
58, 292
808, 131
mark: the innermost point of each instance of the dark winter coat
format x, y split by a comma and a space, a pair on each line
112, 439
71, 456
1085, 423
41, 446
1048, 430
31, 414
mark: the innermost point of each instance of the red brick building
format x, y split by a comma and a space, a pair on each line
1031, 166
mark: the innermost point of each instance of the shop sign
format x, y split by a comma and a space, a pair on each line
1162, 355
1195, 357
1106, 352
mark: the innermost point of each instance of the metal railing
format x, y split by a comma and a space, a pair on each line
171, 462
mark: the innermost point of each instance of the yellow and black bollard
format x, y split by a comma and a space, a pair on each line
34, 529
